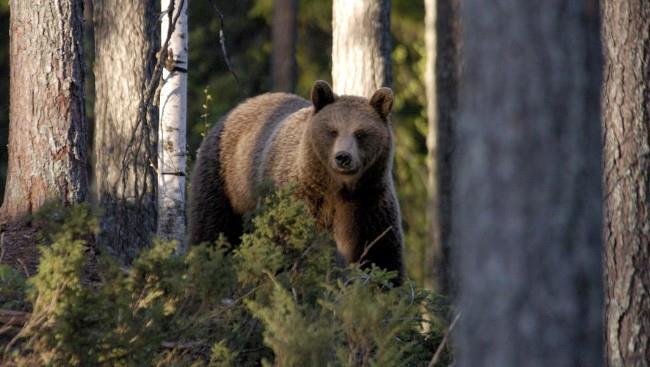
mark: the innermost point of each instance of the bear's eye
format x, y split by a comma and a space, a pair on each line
332, 133
360, 135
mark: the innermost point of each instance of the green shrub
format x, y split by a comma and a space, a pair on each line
277, 299
12, 289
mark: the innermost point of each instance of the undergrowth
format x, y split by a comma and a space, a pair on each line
276, 300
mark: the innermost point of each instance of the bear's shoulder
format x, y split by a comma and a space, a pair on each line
271, 101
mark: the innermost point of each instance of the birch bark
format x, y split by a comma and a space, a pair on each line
172, 128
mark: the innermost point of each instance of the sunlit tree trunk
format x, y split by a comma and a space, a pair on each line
361, 60
173, 121
626, 133
527, 192
283, 61
441, 74
47, 131
126, 41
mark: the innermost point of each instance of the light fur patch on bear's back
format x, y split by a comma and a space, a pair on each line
247, 131
280, 155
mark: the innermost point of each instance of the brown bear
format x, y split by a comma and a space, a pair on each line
337, 153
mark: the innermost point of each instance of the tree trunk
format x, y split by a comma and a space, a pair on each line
126, 40
172, 130
626, 133
441, 78
284, 45
361, 47
47, 138
527, 185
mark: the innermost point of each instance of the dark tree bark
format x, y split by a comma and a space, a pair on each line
441, 78
626, 133
47, 138
361, 46
126, 41
527, 185
283, 61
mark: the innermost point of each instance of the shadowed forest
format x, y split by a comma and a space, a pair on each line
484, 203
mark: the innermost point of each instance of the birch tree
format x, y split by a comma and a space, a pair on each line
626, 133
441, 74
172, 129
527, 198
47, 129
361, 46
126, 41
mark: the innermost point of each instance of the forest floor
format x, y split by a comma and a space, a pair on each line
19, 245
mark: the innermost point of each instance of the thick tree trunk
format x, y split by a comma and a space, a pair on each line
172, 130
361, 61
126, 40
283, 61
527, 185
626, 132
47, 138
441, 78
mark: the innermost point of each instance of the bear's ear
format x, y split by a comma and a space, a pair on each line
382, 101
321, 95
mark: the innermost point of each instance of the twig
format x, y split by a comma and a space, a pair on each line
2, 246
234, 302
22, 263
412, 294
367, 248
222, 41
364, 277
150, 93
441, 347
179, 345
14, 318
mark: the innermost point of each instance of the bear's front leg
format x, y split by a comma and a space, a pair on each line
370, 232
346, 230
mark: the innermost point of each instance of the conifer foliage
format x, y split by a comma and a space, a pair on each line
276, 299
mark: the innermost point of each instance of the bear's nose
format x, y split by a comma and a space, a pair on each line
343, 159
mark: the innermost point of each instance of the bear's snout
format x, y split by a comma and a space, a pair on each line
343, 160
344, 163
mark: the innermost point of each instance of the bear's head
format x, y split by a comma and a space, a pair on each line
350, 135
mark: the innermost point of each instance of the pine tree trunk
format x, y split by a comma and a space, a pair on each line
126, 40
626, 132
361, 47
47, 131
172, 130
284, 45
527, 185
441, 74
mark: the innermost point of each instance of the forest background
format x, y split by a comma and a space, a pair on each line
549, 198
247, 30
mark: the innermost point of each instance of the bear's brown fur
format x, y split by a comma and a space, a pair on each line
337, 153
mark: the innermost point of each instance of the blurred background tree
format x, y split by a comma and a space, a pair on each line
4, 91
441, 79
284, 34
527, 210
247, 28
